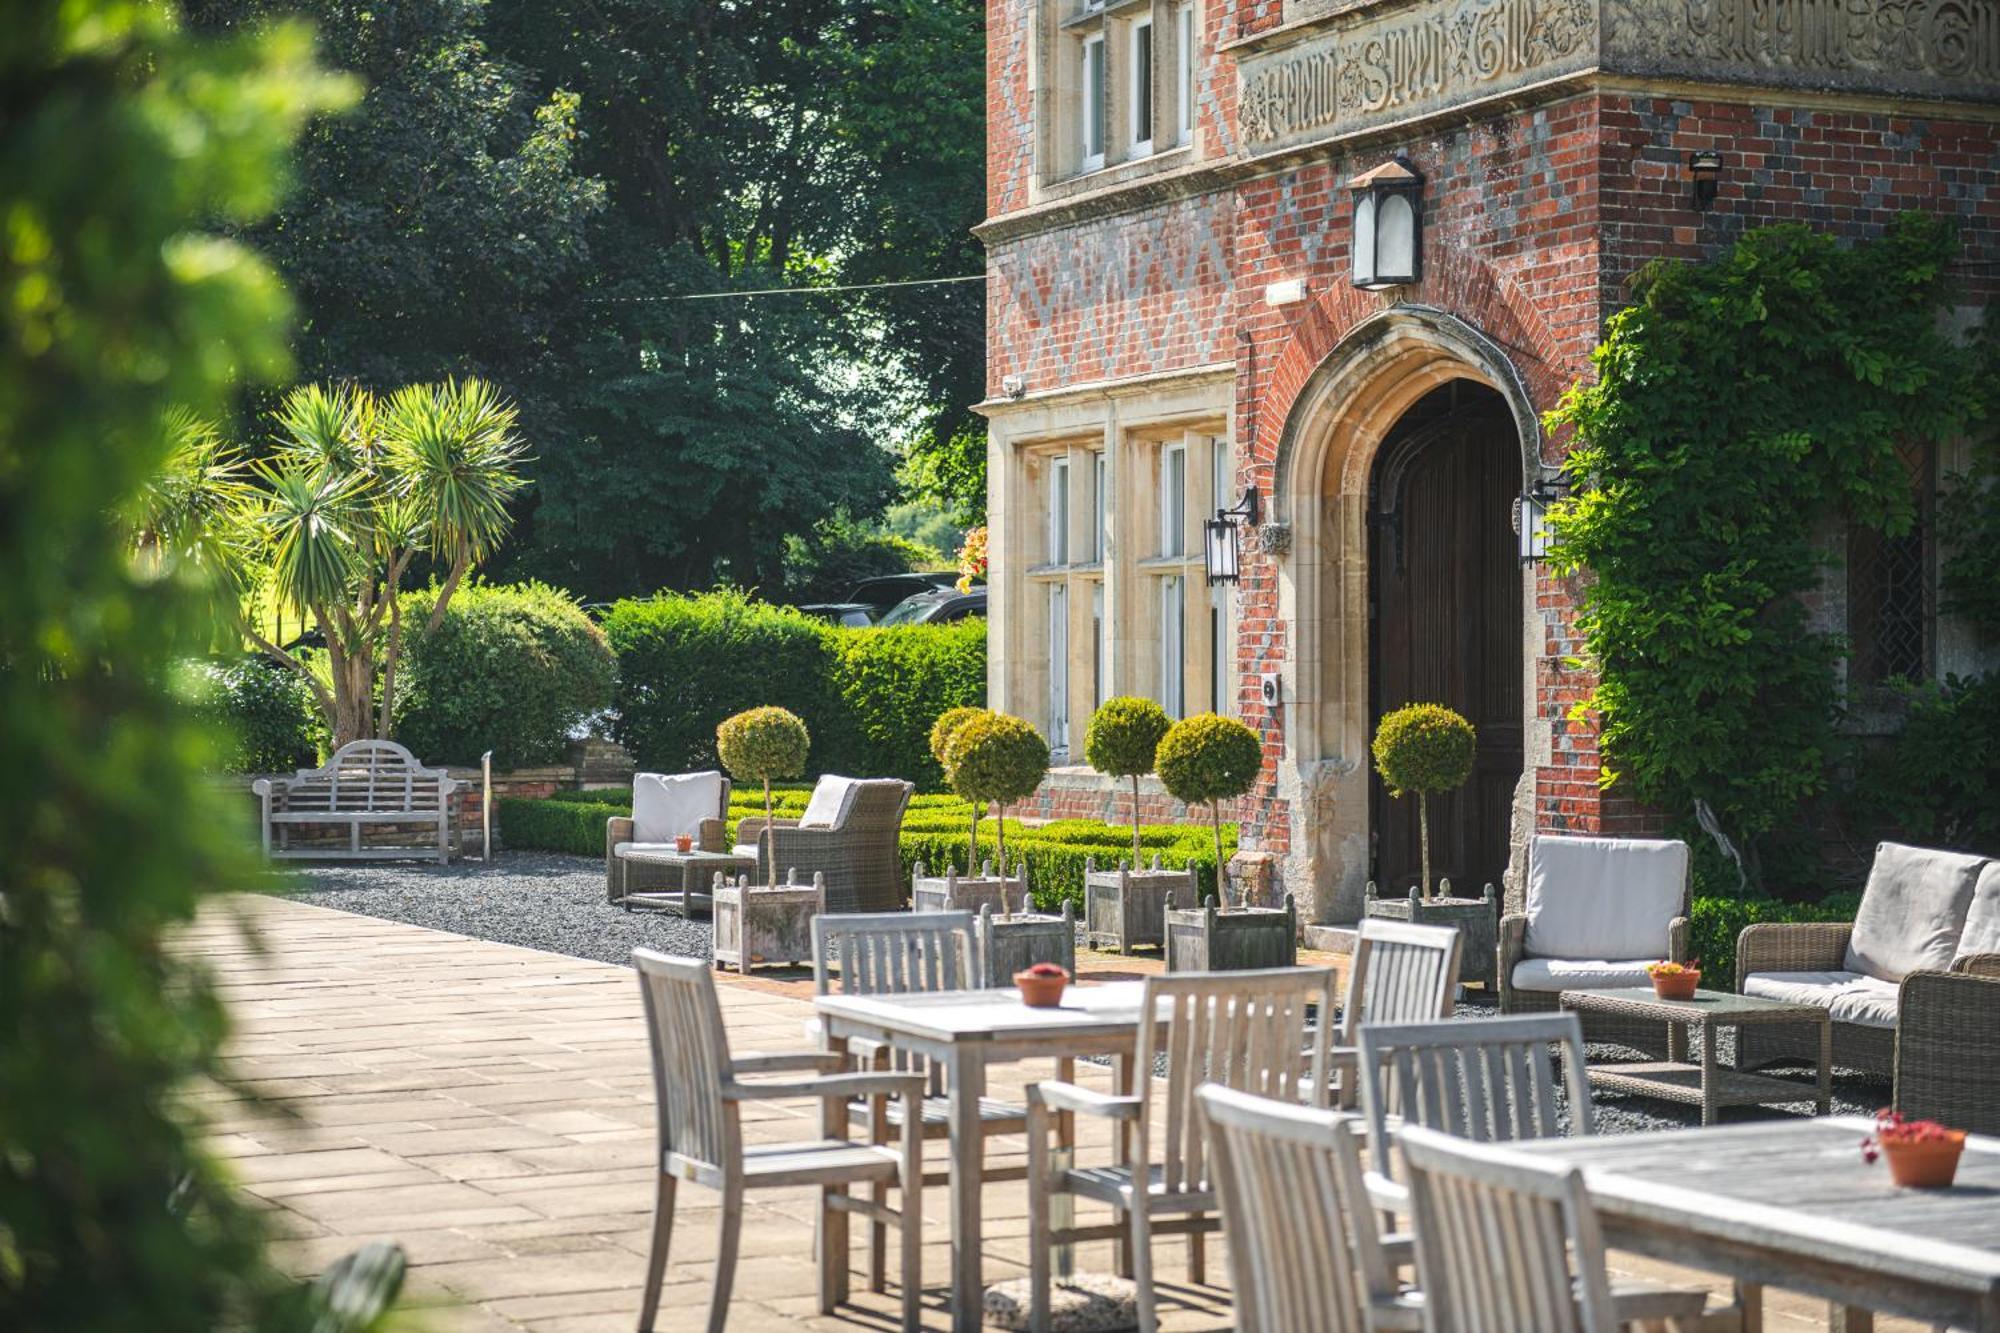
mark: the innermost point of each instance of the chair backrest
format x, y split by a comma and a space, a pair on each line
1486, 1079
1604, 897
1289, 1181
366, 776
866, 875
1243, 1030
1400, 973
690, 1061
1505, 1241
888, 953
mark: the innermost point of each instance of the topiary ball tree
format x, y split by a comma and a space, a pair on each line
1210, 759
1123, 736
942, 730
999, 758
760, 744
1424, 748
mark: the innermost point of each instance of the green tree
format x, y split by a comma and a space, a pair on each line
1121, 741
999, 758
127, 147
1210, 759
942, 732
761, 744
1423, 748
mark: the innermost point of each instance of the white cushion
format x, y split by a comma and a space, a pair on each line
746, 850
1556, 974
1912, 911
666, 805
1849, 997
626, 848
1982, 919
830, 801
1603, 897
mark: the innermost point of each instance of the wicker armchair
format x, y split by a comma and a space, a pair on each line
1615, 964
1947, 1061
639, 876
858, 854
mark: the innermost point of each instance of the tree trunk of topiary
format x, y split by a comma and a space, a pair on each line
972, 846
1000, 813
1135, 823
1221, 870
1424, 838
772, 880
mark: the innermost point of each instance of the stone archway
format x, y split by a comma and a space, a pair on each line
1320, 487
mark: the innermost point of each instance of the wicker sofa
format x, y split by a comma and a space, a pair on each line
848, 833
1598, 911
663, 806
1924, 912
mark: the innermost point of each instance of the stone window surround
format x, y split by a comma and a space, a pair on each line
1057, 80
1132, 432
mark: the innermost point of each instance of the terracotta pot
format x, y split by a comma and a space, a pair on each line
1040, 992
1676, 985
1924, 1166
683, 842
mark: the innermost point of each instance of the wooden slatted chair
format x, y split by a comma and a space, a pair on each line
1400, 973
891, 953
699, 1089
1487, 1080
1289, 1181
1238, 1029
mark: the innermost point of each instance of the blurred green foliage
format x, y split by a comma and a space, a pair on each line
129, 151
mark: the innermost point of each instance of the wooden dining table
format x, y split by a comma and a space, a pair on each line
965, 1032
1793, 1204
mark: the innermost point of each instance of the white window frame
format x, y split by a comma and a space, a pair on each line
1094, 114
1059, 667
1058, 534
1139, 89
1173, 500
1184, 56
1173, 645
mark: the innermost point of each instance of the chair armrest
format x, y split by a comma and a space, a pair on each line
1978, 965
829, 1087
710, 836
1948, 1049
751, 829
1513, 947
1791, 946
1677, 940
785, 1062
262, 786
1386, 1194
1070, 1097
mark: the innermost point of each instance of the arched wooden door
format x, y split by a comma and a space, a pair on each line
1445, 610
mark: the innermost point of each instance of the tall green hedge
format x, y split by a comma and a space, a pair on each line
269, 717
869, 696
1716, 923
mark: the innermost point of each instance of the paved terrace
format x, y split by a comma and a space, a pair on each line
490, 1107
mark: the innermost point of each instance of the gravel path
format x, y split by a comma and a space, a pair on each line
555, 903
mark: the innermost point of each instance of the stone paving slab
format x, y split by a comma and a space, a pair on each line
490, 1107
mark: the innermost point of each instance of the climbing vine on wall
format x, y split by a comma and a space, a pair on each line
1736, 404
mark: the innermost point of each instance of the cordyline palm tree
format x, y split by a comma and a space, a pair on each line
355, 490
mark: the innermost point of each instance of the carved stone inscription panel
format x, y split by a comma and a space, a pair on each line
1372, 70
1933, 48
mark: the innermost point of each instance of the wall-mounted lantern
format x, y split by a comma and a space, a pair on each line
1705, 165
1219, 538
1531, 511
1388, 225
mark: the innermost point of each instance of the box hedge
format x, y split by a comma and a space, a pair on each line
868, 696
1716, 923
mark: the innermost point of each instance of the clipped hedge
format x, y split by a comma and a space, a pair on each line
1716, 922
934, 832
512, 668
868, 696
267, 716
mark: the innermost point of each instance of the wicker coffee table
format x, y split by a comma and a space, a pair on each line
1709, 1085
676, 881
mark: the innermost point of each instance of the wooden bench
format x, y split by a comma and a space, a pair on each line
365, 784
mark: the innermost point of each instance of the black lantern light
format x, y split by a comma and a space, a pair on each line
1219, 536
1388, 225
1531, 511
1705, 165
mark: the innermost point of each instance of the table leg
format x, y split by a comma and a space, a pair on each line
1124, 1075
1677, 1043
1849, 1319
831, 1234
1750, 1304
1708, 1071
967, 1074
1825, 1064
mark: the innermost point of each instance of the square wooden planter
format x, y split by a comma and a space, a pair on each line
1204, 939
1126, 909
756, 924
1015, 943
1477, 921
951, 892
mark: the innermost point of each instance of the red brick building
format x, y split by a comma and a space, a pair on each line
1174, 320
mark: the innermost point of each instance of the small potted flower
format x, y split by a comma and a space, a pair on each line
1675, 981
1041, 986
1922, 1154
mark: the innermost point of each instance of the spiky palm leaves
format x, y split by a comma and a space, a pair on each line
354, 490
